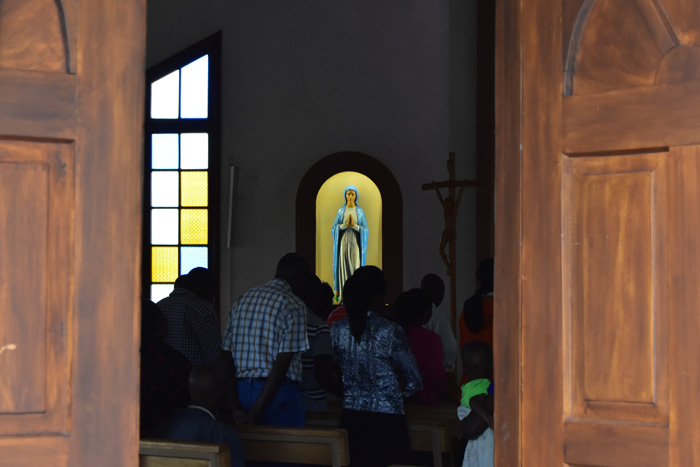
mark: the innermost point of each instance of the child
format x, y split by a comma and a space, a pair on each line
476, 406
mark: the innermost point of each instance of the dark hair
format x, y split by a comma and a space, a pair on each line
434, 287
472, 309
473, 313
293, 269
360, 290
315, 296
327, 296
411, 308
477, 359
201, 282
484, 274
432, 282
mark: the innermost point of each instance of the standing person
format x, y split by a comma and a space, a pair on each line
374, 356
193, 326
319, 375
350, 237
476, 321
266, 335
438, 323
411, 311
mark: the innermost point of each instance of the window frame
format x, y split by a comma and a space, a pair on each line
211, 125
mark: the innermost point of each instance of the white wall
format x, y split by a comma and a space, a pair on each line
302, 80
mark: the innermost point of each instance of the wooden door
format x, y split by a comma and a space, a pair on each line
71, 105
598, 233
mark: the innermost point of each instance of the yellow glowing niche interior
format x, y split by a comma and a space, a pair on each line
329, 199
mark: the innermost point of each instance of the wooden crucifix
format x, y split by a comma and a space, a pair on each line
448, 249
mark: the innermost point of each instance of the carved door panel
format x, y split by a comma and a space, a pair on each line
598, 271
71, 104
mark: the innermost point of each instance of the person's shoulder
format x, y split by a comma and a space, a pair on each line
262, 289
315, 321
338, 325
337, 314
382, 324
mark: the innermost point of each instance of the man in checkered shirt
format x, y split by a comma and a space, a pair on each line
193, 325
266, 335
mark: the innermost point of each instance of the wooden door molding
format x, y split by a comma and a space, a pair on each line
71, 115
596, 254
507, 236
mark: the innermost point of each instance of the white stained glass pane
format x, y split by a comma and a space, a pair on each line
164, 151
160, 291
165, 189
195, 89
194, 150
164, 96
164, 226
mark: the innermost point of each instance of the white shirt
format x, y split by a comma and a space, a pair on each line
439, 324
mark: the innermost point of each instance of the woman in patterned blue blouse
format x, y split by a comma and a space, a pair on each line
379, 370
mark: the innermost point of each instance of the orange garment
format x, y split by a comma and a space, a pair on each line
338, 313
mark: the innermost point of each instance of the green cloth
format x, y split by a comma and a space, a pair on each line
474, 388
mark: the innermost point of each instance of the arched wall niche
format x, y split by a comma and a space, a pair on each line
391, 211
329, 199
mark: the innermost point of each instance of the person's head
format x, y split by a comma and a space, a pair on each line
207, 387
200, 281
182, 282
411, 308
327, 296
318, 297
434, 287
310, 294
363, 291
153, 323
477, 359
294, 270
484, 274
350, 195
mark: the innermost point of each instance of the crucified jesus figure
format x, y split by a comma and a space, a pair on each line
450, 206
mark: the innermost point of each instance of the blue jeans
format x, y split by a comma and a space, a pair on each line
285, 409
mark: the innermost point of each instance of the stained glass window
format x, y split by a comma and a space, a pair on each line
181, 132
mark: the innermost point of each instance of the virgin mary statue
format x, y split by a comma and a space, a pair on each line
349, 240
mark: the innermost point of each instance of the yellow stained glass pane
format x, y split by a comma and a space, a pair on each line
164, 262
194, 188
194, 227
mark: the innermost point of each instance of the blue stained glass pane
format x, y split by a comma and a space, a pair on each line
164, 151
193, 257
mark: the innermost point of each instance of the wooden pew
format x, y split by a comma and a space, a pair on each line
430, 429
306, 445
164, 453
